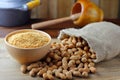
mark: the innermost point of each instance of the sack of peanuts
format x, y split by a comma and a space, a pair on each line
102, 37
77, 51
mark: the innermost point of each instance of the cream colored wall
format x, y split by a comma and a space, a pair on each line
62, 8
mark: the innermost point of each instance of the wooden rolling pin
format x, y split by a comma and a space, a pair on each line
45, 24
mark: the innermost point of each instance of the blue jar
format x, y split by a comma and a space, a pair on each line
16, 12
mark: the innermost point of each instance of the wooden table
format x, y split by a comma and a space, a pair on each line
10, 69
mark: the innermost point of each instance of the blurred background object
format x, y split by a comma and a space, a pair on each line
62, 8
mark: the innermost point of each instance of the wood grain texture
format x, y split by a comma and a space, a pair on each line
41, 11
62, 8
110, 8
10, 69
52, 9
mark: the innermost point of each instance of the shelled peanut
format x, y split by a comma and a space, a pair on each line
71, 57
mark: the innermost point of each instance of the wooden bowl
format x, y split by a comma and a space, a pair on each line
27, 55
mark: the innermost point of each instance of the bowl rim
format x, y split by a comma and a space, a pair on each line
21, 30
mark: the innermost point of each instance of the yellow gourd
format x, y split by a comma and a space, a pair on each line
89, 12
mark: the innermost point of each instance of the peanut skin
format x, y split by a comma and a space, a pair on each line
23, 68
34, 65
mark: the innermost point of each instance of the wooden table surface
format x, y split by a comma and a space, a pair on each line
10, 69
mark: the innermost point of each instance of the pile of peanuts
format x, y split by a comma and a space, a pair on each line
71, 57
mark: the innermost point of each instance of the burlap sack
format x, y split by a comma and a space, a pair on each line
102, 37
